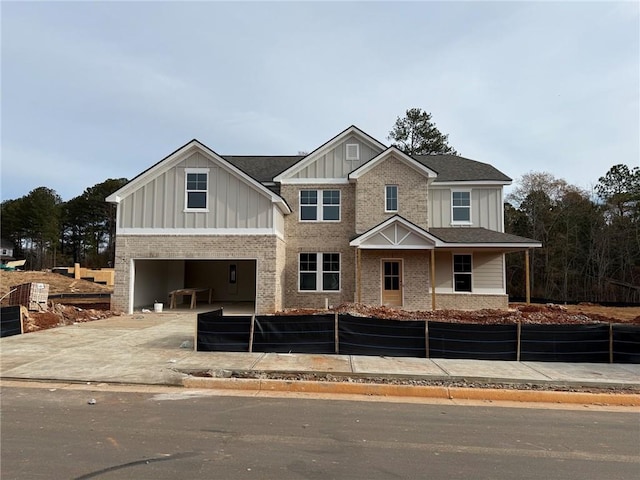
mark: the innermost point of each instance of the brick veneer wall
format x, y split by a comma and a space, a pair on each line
412, 195
319, 237
415, 275
267, 250
465, 301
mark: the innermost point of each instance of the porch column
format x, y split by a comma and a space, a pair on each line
527, 281
433, 278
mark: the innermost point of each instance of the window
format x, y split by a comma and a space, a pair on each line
461, 207
196, 188
353, 151
327, 200
462, 273
320, 276
391, 198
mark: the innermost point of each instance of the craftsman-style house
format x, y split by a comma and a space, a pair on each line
353, 221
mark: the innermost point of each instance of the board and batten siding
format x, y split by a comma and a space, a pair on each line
486, 207
232, 202
333, 164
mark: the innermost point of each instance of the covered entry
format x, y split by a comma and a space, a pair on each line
232, 282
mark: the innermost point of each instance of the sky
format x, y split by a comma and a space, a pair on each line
99, 90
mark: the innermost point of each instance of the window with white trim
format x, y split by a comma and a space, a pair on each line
319, 272
352, 151
461, 206
462, 266
390, 198
320, 205
196, 188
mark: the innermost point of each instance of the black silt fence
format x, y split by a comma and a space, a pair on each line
565, 343
223, 334
473, 341
375, 336
294, 334
10, 323
626, 343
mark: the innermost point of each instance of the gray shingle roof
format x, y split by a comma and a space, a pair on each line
449, 167
261, 167
452, 168
476, 235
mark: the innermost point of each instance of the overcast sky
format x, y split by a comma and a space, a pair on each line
92, 91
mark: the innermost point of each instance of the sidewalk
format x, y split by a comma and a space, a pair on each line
157, 349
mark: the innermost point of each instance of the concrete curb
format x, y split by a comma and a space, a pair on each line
418, 391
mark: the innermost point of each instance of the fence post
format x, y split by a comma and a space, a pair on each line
336, 334
426, 337
610, 342
519, 330
251, 330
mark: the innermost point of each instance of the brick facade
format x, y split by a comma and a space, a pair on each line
412, 195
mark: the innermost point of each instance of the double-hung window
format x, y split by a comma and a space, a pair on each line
319, 272
196, 188
461, 206
462, 273
390, 198
320, 205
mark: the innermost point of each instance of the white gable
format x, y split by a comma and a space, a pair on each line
395, 233
333, 161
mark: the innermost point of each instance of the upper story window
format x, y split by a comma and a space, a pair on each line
197, 188
461, 206
462, 273
320, 205
390, 198
352, 151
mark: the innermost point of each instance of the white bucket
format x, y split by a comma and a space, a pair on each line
157, 307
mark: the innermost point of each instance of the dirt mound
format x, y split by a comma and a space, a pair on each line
57, 283
59, 315
518, 313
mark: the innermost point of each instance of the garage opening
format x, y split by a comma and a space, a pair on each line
232, 283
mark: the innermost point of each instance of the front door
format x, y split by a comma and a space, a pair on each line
392, 282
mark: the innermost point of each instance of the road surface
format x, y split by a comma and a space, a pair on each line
56, 433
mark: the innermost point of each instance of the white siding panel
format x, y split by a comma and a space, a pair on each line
160, 203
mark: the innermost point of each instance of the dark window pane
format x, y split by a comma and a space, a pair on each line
307, 281
308, 197
461, 214
462, 282
331, 213
462, 263
331, 262
331, 197
308, 262
331, 281
196, 199
308, 212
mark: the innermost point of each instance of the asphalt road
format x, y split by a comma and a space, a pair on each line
181, 434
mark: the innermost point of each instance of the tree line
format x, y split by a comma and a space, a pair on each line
48, 232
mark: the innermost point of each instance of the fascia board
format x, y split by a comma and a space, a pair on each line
322, 149
470, 183
410, 162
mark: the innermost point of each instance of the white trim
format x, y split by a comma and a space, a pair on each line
315, 181
132, 283
386, 198
196, 231
182, 153
470, 183
398, 154
323, 149
462, 222
357, 152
